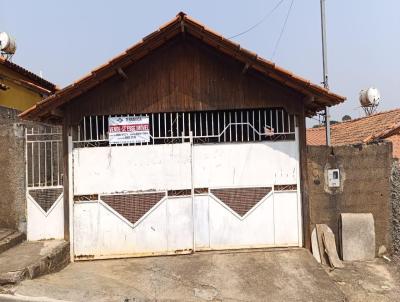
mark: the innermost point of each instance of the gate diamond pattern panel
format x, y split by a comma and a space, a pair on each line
241, 200
132, 206
45, 198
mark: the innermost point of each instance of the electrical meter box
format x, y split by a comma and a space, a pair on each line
333, 178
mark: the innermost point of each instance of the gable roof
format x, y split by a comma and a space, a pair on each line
361, 130
318, 97
36, 81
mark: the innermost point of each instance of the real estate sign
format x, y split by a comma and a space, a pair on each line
128, 129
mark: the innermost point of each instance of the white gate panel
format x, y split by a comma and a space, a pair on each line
287, 224
100, 232
131, 168
43, 225
201, 222
248, 164
228, 230
180, 224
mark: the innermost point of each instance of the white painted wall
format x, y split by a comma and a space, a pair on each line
42, 225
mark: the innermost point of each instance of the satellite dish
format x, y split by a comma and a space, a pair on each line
7, 44
369, 100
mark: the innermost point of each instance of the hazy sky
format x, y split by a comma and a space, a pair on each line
66, 39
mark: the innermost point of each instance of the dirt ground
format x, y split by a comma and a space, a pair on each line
257, 275
369, 281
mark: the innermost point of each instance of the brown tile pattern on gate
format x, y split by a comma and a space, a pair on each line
288, 187
241, 200
132, 206
45, 198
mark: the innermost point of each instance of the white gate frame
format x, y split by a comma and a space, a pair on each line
37, 139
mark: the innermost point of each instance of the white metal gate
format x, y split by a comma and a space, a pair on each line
181, 196
44, 194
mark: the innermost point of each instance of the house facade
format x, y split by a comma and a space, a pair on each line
184, 142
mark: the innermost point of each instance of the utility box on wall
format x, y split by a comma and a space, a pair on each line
333, 178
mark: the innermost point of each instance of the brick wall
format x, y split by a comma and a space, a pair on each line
365, 186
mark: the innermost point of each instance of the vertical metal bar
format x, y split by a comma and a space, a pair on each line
212, 123
290, 130
230, 127
97, 127
254, 133
201, 125
159, 125
51, 162
152, 127
33, 164
104, 126
283, 121
224, 128
236, 127
270, 120
206, 124
190, 128
26, 160
195, 125
248, 126
219, 137
171, 128
84, 128
79, 132
183, 125
90, 124
265, 118
277, 121
241, 122
259, 124
177, 124
165, 124
58, 163
40, 179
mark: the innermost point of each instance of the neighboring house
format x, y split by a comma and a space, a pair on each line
184, 142
19, 90
380, 126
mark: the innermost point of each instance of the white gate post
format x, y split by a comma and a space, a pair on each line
299, 203
70, 198
192, 189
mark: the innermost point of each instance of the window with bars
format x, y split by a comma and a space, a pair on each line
250, 125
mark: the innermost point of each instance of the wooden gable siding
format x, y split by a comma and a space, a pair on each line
183, 75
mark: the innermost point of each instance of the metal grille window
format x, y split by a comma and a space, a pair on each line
44, 157
204, 126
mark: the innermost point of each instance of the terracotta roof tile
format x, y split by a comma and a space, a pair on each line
152, 40
30, 75
361, 130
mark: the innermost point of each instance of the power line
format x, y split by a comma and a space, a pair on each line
283, 29
259, 22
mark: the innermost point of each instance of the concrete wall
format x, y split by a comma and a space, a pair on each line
12, 176
396, 207
365, 185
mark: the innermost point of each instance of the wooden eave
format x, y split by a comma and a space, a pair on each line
183, 24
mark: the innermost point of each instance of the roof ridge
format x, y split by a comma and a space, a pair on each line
182, 23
